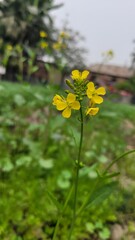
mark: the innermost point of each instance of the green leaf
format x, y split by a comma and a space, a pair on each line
66, 174
8, 166
47, 66
90, 227
46, 163
54, 200
115, 174
23, 161
63, 180
19, 100
39, 96
102, 159
101, 193
104, 234
109, 114
93, 174
63, 183
34, 69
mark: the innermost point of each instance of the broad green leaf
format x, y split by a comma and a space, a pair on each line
66, 174
46, 163
63, 183
104, 234
8, 166
102, 159
23, 161
34, 69
90, 227
19, 100
92, 174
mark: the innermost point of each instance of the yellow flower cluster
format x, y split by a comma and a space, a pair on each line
81, 88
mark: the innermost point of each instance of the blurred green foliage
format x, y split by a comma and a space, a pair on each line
37, 148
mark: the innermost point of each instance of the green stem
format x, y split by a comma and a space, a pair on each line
61, 214
77, 176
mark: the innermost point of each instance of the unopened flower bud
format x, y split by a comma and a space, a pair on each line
69, 84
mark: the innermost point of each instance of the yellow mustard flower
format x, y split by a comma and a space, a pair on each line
64, 34
9, 47
92, 111
76, 75
66, 104
43, 44
57, 45
43, 34
94, 93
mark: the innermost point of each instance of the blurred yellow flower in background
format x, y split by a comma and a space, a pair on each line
43, 34
43, 44
9, 47
64, 35
59, 45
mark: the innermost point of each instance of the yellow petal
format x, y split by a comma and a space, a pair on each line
71, 97
92, 111
97, 99
75, 75
85, 74
61, 105
89, 93
91, 86
56, 98
101, 91
66, 113
75, 105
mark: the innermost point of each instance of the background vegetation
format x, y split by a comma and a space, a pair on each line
37, 152
37, 146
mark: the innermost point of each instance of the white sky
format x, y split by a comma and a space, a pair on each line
105, 24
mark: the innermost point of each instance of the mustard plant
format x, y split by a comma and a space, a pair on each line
85, 98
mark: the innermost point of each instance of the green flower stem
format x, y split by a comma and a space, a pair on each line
61, 214
77, 175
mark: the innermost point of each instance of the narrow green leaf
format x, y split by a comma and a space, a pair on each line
100, 194
115, 174
54, 200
